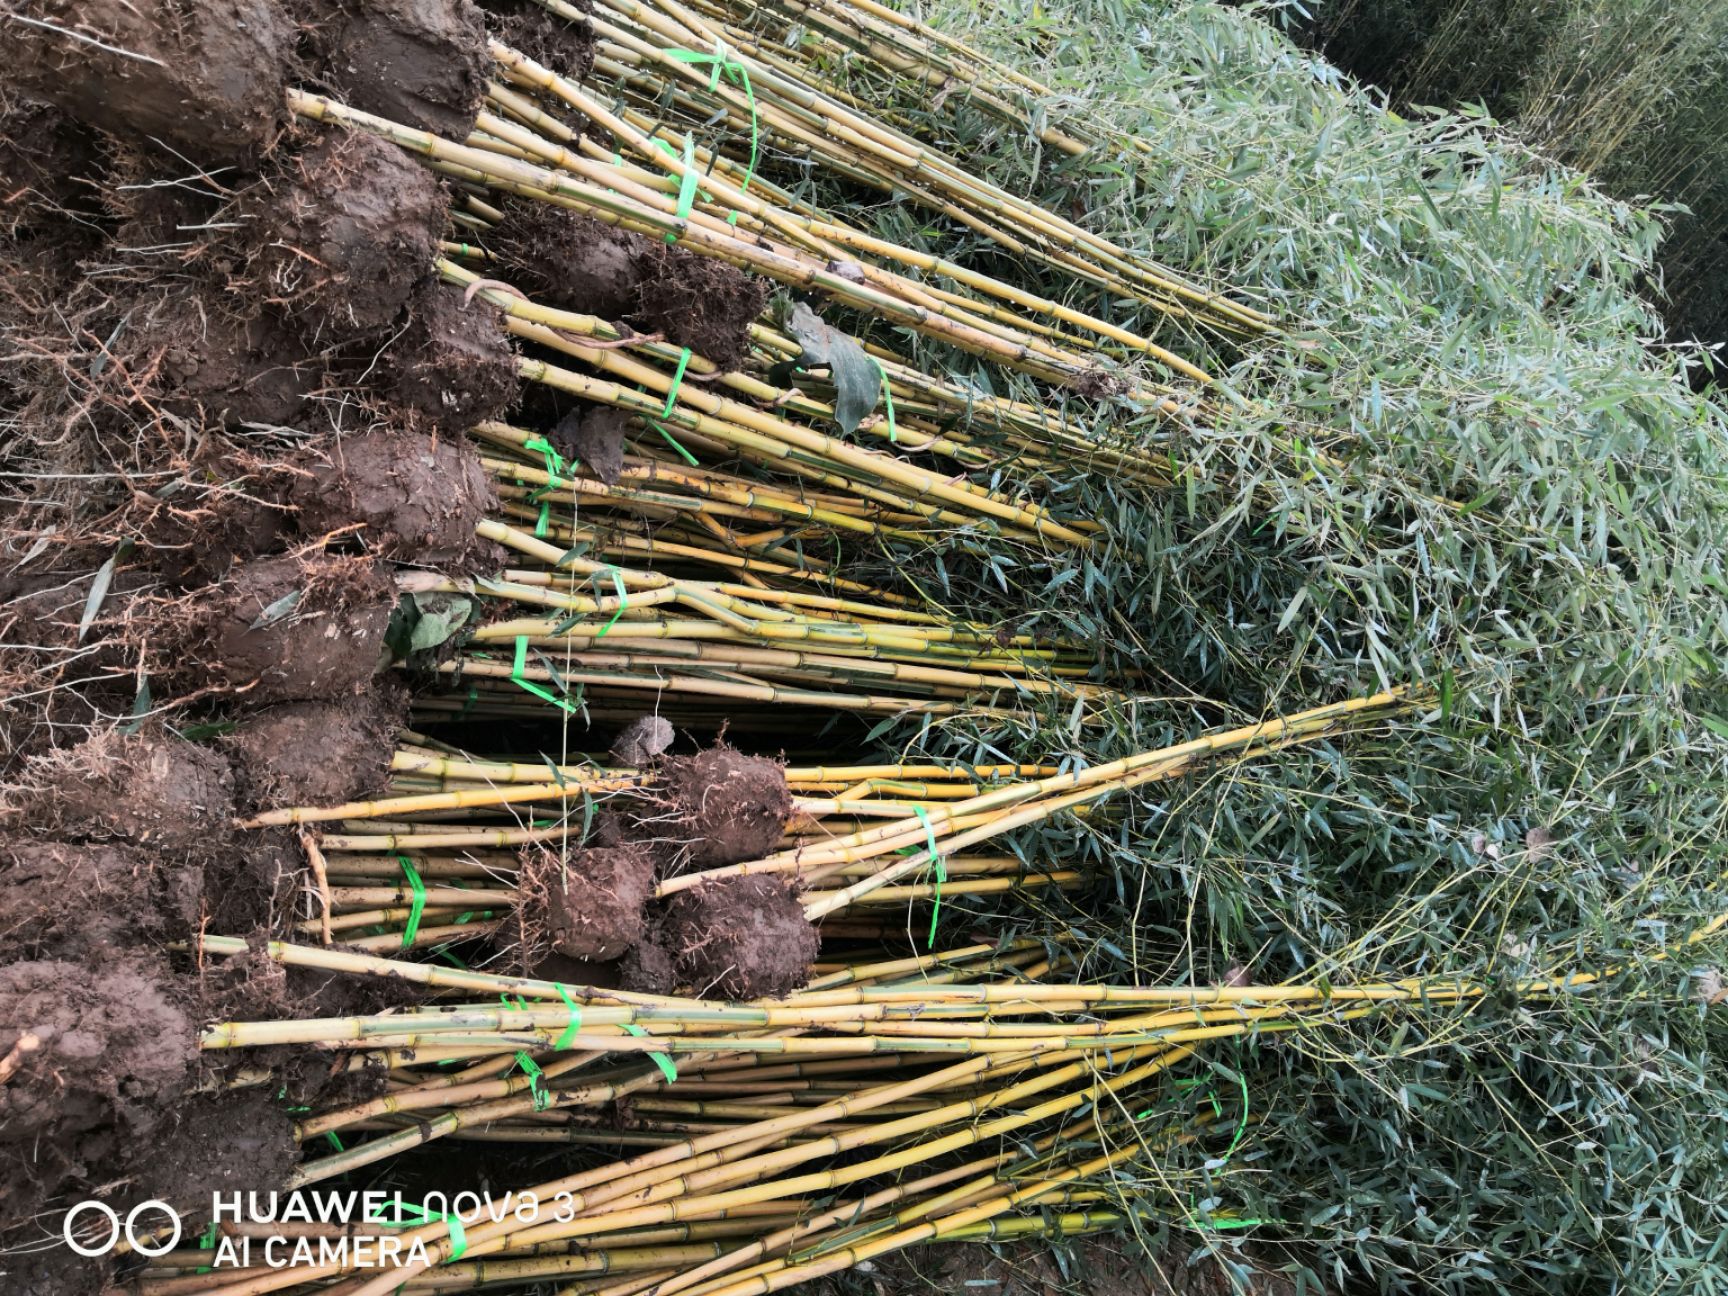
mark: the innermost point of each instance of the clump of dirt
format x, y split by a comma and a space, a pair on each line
417, 497
152, 790
575, 971
254, 987
740, 938
255, 884
219, 1143
578, 262
52, 165
64, 901
35, 1262
209, 363
567, 259
318, 753
207, 79
283, 629
453, 363
563, 46
346, 231
90, 1047
700, 303
648, 968
229, 509
422, 63
587, 905
592, 438
723, 806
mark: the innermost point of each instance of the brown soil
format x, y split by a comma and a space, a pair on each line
648, 968
579, 263
565, 47
587, 905
421, 63
575, 971
93, 1048
284, 629
210, 364
453, 363
723, 806
221, 1143
318, 753
700, 303
567, 259
207, 78
254, 987
592, 438
64, 901
740, 938
35, 1262
228, 509
151, 790
52, 164
346, 231
257, 884
417, 498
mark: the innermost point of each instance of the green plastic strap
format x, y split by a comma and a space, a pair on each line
536, 1081
677, 382
206, 1242
419, 1214
686, 188
623, 602
660, 1059
521, 680
888, 401
555, 467
736, 71
575, 1024
941, 872
418, 906
674, 443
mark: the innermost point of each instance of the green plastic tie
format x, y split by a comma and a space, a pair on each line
575, 1023
536, 1081
407, 1214
674, 443
941, 872
660, 1059
206, 1242
555, 468
686, 189
418, 906
677, 382
623, 602
735, 71
520, 679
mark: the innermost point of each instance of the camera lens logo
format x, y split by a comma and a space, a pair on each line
138, 1214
